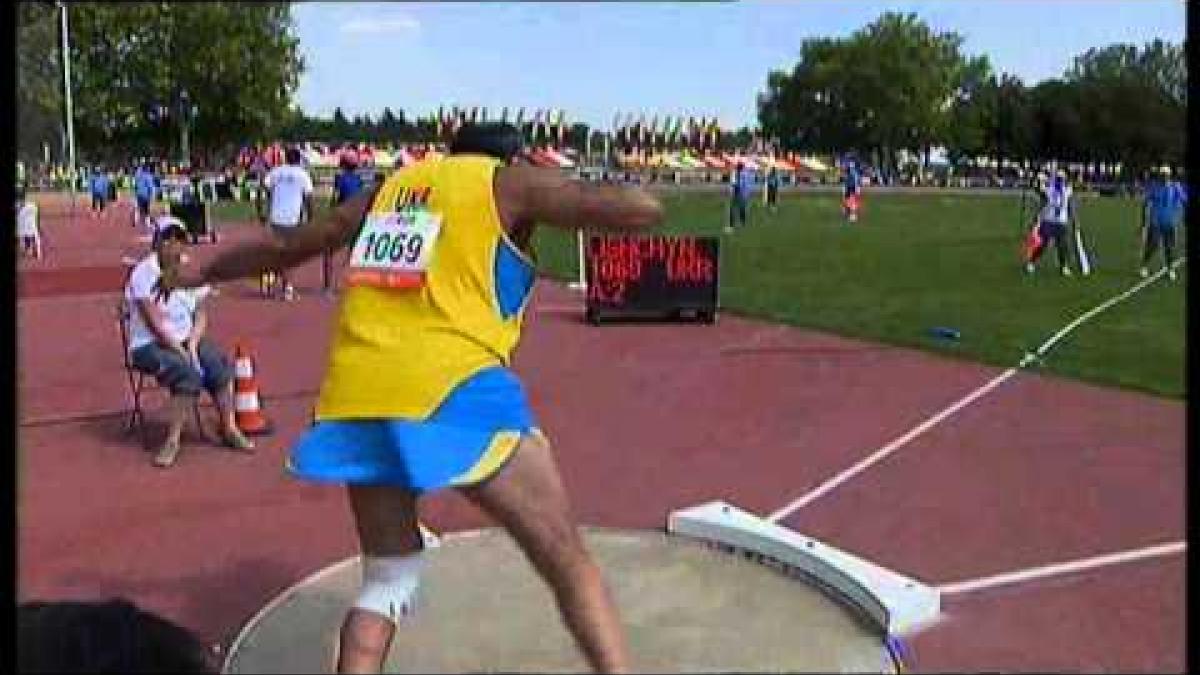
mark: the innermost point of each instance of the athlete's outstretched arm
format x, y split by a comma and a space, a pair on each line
530, 194
331, 232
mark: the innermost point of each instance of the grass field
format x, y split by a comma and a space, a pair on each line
915, 261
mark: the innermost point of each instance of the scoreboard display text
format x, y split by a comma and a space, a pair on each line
651, 276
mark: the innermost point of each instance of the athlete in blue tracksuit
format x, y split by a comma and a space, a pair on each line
739, 196
1161, 214
851, 192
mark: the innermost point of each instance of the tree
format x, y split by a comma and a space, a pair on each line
805, 109
340, 127
39, 110
1011, 135
1058, 125
390, 126
577, 135
238, 62
891, 85
1159, 64
1133, 102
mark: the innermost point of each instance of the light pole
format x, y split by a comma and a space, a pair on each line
66, 57
187, 111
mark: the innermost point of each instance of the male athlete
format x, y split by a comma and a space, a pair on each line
1056, 213
851, 192
1161, 212
771, 194
145, 188
418, 395
99, 184
739, 197
289, 195
346, 184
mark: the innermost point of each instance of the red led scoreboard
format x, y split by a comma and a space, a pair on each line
651, 277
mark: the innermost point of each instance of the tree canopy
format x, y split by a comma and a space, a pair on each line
898, 85
130, 62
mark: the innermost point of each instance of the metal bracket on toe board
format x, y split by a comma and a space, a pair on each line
897, 604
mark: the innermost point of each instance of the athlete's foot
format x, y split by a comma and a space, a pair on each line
1066, 271
1143, 273
236, 440
167, 454
728, 229
1171, 273
1029, 268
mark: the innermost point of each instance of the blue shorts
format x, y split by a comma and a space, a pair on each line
465, 441
1048, 229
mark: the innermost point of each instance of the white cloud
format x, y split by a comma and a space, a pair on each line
379, 25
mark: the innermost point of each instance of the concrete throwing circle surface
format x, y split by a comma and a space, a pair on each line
686, 608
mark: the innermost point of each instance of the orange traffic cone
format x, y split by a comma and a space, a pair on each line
247, 407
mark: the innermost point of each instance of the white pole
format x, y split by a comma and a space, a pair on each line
580, 284
66, 56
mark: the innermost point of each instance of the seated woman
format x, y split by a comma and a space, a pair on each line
167, 340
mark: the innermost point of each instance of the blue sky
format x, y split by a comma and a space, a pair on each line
701, 58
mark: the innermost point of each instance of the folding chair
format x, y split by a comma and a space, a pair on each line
137, 381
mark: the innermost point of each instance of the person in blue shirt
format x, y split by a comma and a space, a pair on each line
145, 188
1162, 212
851, 192
346, 184
772, 192
739, 197
99, 185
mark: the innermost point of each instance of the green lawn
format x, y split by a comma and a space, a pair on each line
915, 261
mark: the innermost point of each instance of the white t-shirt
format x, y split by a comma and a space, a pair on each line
1058, 205
288, 184
177, 311
27, 217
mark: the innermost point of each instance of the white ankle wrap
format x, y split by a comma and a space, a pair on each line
389, 584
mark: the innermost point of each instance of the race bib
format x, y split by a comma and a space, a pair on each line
394, 250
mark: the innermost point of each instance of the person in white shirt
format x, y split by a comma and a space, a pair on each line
1057, 221
27, 226
289, 197
167, 340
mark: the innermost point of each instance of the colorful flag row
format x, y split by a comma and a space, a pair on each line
691, 131
543, 123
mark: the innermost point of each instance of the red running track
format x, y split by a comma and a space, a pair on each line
646, 419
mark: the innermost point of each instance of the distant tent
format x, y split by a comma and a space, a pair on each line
715, 162
559, 159
673, 161
384, 158
813, 164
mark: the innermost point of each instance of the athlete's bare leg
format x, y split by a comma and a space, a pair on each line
386, 518
527, 497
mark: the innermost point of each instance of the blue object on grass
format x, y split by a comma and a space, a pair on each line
945, 332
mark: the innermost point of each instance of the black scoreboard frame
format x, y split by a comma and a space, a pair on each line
640, 286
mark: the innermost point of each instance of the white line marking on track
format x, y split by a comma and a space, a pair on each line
892, 446
236, 645
897, 443
1034, 573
